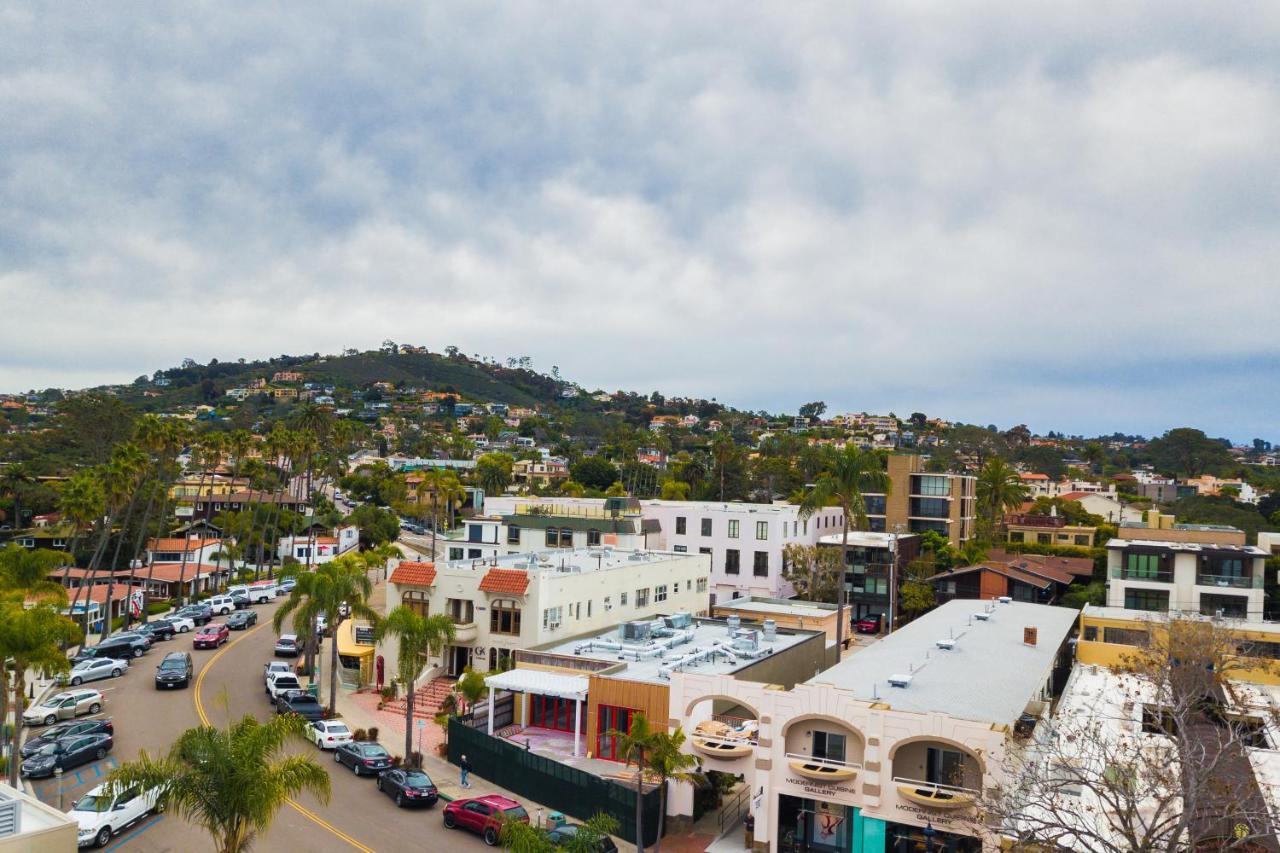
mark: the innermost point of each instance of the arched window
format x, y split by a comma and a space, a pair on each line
417, 601
504, 617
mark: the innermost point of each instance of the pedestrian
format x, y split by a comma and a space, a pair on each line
465, 767
749, 824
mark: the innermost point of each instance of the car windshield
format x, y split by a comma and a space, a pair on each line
515, 813
49, 748
91, 803
374, 751
417, 777
173, 664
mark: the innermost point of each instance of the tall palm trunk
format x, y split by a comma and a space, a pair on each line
435, 522
186, 540
408, 721
840, 594
333, 662
114, 565
104, 536
160, 528
19, 703
639, 803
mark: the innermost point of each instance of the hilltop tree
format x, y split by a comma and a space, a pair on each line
594, 472
493, 472
1187, 452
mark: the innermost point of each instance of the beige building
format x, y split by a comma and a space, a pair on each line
785, 613
29, 826
918, 501
1164, 527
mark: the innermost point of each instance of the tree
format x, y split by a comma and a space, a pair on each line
813, 571
27, 572
616, 490
669, 763
853, 472
30, 638
16, 479
917, 591
376, 525
419, 636
674, 490
813, 411
1187, 452
493, 472
594, 472
999, 489
230, 781
637, 745
331, 587
572, 489
520, 837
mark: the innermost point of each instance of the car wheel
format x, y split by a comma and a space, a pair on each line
337, 756
184, 629
95, 708
449, 822
379, 783
137, 653
50, 720
75, 682
186, 683
400, 800
103, 837
355, 768
115, 673
100, 754
491, 837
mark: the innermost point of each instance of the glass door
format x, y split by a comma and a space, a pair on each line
611, 719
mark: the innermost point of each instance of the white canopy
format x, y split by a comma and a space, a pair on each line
537, 681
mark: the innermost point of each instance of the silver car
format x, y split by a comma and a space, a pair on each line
63, 706
93, 669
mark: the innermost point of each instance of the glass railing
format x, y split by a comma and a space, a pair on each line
1232, 581
1158, 577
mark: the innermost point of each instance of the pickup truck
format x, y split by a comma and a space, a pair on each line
280, 683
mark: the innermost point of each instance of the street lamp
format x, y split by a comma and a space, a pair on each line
893, 573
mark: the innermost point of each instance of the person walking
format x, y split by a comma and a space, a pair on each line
749, 824
465, 767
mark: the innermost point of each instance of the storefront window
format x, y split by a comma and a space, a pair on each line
814, 825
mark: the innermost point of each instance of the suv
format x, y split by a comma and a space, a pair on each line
484, 815
118, 647
210, 636
221, 605
197, 613
174, 671
159, 629
63, 706
288, 646
101, 817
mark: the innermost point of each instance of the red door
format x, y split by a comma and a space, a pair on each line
611, 718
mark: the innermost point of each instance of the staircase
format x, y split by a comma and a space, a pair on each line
426, 699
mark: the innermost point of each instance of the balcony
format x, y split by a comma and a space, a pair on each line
1229, 581
1154, 577
725, 738
465, 632
826, 770
935, 796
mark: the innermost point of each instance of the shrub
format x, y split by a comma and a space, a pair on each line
415, 759
359, 735
389, 692
373, 732
157, 607
396, 761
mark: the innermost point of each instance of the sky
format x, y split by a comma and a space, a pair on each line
1063, 215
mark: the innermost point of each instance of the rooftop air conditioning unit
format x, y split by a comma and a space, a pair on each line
1004, 599
982, 616
900, 680
553, 625
947, 645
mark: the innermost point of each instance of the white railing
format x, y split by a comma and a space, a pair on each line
935, 787
825, 762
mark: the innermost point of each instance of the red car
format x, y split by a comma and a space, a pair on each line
211, 636
484, 815
869, 624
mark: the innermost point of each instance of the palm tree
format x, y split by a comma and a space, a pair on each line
81, 503
339, 582
638, 745
31, 638
215, 448
230, 781
853, 473
420, 636
128, 471
14, 478
166, 441
668, 763
382, 555
999, 489
28, 572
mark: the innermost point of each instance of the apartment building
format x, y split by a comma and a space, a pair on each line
918, 501
328, 545
535, 525
516, 601
890, 749
1050, 529
1187, 577
872, 561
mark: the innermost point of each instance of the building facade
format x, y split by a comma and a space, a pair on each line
1187, 577
918, 501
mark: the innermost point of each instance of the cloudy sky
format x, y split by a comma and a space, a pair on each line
1063, 215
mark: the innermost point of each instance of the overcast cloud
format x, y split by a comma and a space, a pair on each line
1063, 215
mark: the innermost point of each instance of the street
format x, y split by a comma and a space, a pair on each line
228, 685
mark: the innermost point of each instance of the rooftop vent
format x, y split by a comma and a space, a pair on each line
946, 645
982, 616
635, 632
1004, 599
770, 630
900, 680
733, 622
678, 620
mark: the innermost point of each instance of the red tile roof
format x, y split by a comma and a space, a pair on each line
1081, 567
414, 574
506, 580
1075, 496
179, 544
170, 572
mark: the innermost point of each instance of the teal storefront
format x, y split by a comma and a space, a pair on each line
816, 826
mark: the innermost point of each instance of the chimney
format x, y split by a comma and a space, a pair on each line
1029, 636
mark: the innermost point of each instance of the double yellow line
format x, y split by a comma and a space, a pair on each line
204, 720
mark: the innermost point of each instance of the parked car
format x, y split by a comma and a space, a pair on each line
408, 787
133, 635
91, 669
101, 817
240, 600
241, 619
288, 646
484, 815
211, 636
221, 605
300, 702
67, 752
262, 593
67, 729
157, 629
286, 586
200, 614
562, 835
329, 734
277, 686
116, 647
63, 706
416, 529
274, 668
869, 624
363, 757
181, 624
175, 670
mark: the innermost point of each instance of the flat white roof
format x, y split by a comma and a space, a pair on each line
989, 676
570, 560
1161, 616
801, 609
867, 538
539, 681
1192, 547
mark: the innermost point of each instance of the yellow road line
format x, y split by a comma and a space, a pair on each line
204, 720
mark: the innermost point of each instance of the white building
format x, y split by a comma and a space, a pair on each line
519, 601
1187, 577
29, 826
328, 547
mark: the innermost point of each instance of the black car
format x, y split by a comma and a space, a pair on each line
158, 629
561, 834
240, 600
408, 787
67, 752
300, 702
113, 647
363, 757
242, 619
65, 729
201, 614
174, 671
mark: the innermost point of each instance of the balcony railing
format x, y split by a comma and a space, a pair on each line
1157, 577
1232, 581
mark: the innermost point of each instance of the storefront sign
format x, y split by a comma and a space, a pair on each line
926, 815
821, 791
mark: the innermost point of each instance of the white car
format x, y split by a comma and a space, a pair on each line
101, 817
271, 670
64, 706
329, 734
93, 669
221, 605
181, 624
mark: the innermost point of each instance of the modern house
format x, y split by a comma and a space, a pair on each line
539, 525
1049, 529
541, 473
875, 559
1157, 525
193, 549
1022, 577
918, 501
327, 546
1187, 577
890, 749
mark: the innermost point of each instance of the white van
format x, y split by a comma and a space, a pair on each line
261, 593
221, 605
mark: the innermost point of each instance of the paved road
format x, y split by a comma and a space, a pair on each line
228, 685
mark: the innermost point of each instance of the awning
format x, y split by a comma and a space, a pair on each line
538, 681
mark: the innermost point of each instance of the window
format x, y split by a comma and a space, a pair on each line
1231, 606
455, 553
622, 599
642, 597
475, 533
688, 585
608, 603
504, 617
588, 608
680, 549
679, 525
731, 561
704, 551
762, 530
474, 553
930, 486
659, 593
874, 504
417, 601
551, 617
1016, 536
513, 533
1146, 599
1138, 566
1158, 720
566, 537
828, 745
760, 564
944, 767
593, 537
931, 507
1082, 541
1259, 649
1091, 633
1124, 636
733, 528
706, 527
611, 719
702, 587
553, 537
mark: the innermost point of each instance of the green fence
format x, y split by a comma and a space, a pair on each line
558, 786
